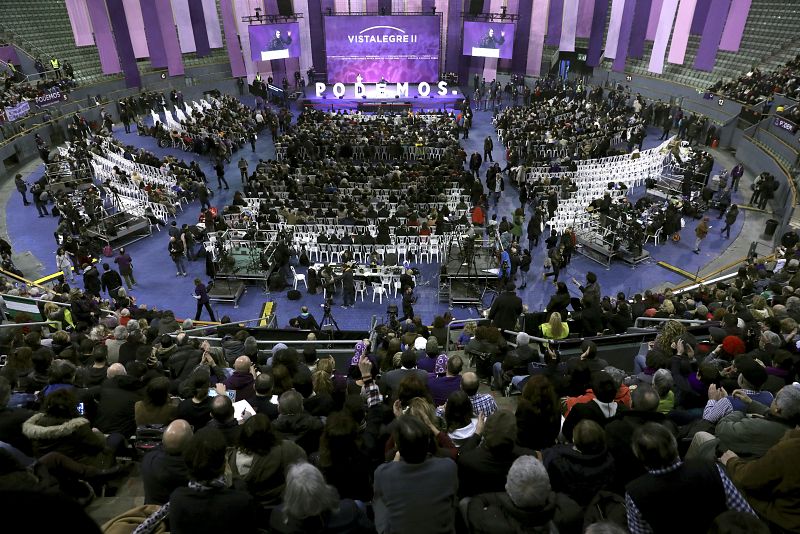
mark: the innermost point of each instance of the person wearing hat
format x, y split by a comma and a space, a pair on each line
751, 376
506, 309
700, 232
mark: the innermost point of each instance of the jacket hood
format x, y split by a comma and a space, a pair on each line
529, 515
33, 428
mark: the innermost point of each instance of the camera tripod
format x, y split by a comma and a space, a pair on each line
328, 323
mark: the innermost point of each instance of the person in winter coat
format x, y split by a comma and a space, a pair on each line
700, 232
730, 218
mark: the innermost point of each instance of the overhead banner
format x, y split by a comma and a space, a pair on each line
17, 112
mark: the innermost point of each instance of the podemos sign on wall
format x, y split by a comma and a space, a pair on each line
51, 97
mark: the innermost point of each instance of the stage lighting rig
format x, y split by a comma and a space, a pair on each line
490, 17
260, 18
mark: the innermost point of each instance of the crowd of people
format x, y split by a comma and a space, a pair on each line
755, 86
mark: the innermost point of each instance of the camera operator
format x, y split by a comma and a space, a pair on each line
408, 304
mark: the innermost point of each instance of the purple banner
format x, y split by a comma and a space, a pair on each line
9, 54
639, 28
712, 33
183, 21
172, 49
734, 26
152, 30
488, 39
569, 27
553, 37
124, 46
536, 43
652, 22
198, 19
664, 25
106, 47
785, 124
595, 50
453, 42
624, 35
274, 41
315, 29
133, 12
700, 15
80, 22
395, 49
231, 40
585, 12
50, 97
520, 58
680, 35
212, 23
614, 24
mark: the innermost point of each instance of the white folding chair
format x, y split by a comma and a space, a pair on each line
361, 289
378, 289
298, 277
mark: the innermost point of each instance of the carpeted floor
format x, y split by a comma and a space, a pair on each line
158, 286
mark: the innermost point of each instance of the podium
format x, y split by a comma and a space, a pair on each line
486, 52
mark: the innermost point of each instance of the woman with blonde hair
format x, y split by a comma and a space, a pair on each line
759, 308
555, 328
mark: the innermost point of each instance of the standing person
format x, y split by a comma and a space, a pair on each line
176, 251
666, 125
56, 66
91, 280
22, 187
525, 266
220, 168
125, 265
467, 124
700, 233
535, 227
736, 174
555, 264
724, 201
730, 218
201, 295
499, 185
252, 137
348, 287
243, 170
64, 265
126, 120
475, 162
488, 146
408, 304
111, 281
40, 198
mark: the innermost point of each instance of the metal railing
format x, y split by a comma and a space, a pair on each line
664, 320
37, 323
462, 323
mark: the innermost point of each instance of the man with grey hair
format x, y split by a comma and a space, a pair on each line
528, 503
120, 335
163, 469
297, 424
116, 399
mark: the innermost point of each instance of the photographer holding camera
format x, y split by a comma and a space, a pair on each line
408, 304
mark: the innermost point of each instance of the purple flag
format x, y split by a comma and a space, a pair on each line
106, 47
665, 19
569, 27
595, 50
624, 35
712, 33
212, 23
680, 36
734, 26
152, 30
614, 24
79, 20
198, 21
585, 12
652, 23
639, 28
172, 48
700, 15
183, 21
133, 12
536, 42
124, 46
554, 23
232, 39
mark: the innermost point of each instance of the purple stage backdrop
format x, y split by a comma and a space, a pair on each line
266, 43
396, 49
478, 42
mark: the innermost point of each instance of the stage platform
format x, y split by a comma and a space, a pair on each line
389, 103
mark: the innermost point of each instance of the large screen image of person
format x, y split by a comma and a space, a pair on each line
489, 39
274, 41
391, 48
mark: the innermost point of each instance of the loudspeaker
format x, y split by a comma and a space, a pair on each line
475, 7
285, 8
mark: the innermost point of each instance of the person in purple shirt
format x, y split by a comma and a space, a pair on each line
125, 267
442, 386
201, 295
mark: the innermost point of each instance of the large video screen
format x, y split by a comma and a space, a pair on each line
274, 41
489, 39
392, 48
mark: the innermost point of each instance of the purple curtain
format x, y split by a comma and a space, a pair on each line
452, 59
198, 19
152, 30
106, 47
519, 59
232, 39
172, 48
536, 42
595, 50
119, 22
585, 12
553, 37
133, 12
664, 25
614, 24
652, 23
80, 22
624, 35
639, 29
701, 12
734, 26
183, 21
212, 23
314, 16
712, 33
569, 27
680, 35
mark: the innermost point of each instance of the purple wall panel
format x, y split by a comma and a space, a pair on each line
628, 14
119, 22
172, 48
639, 28
106, 47
734, 26
595, 49
198, 18
553, 36
712, 33
700, 15
152, 30
232, 39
